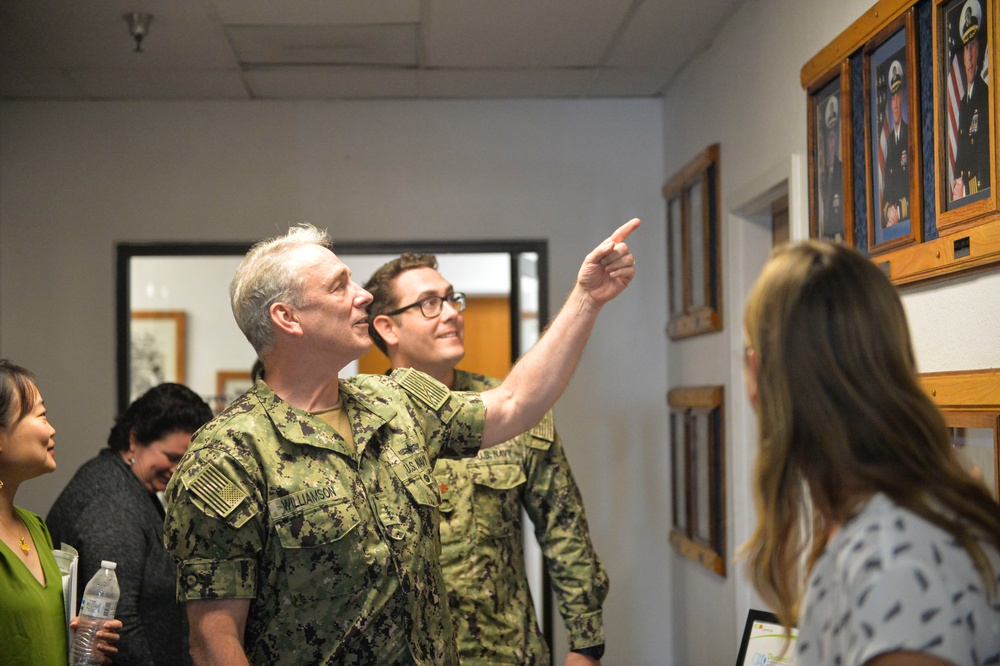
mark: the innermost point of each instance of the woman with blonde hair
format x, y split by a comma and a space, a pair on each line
870, 535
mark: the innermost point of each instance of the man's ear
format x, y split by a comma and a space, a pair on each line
285, 319
386, 327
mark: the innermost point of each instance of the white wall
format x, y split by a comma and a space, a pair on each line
75, 178
744, 93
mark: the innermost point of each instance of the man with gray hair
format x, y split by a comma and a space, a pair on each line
304, 518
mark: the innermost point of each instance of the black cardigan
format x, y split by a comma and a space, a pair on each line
106, 514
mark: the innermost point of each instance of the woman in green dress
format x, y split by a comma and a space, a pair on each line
32, 617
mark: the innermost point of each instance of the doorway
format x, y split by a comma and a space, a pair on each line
507, 280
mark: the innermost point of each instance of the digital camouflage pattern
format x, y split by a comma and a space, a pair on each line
482, 545
338, 550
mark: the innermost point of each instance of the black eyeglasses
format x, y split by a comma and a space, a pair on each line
431, 306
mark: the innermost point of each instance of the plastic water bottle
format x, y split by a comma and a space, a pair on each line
100, 598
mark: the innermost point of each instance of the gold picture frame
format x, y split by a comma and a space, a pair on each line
965, 126
893, 194
157, 348
831, 176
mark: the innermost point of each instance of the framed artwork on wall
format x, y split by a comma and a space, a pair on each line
698, 529
892, 137
157, 347
970, 402
974, 436
946, 49
229, 385
694, 296
964, 112
831, 214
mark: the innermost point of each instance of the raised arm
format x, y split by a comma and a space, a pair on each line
539, 378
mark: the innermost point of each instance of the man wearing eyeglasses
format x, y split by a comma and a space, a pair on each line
304, 518
415, 318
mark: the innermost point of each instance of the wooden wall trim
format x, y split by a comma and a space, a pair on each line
852, 39
967, 390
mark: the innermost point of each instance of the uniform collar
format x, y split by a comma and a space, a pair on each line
301, 427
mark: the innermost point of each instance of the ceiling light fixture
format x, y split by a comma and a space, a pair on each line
138, 26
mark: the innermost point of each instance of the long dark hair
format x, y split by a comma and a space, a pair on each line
161, 410
842, 415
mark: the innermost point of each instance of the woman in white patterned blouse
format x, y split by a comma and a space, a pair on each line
871, 537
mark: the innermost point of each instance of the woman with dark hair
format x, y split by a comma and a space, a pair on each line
870, 535
110, 511
32, 616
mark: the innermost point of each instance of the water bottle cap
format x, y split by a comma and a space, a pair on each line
108, 564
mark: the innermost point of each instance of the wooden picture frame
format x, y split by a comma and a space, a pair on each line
976, 438
970, 402
698, 525
968, 239
229, 385
694, 292
964, 115
892, 137
831, 199
157, 347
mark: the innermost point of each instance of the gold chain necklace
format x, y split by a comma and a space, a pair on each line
23, 545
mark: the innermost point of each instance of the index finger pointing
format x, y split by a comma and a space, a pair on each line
622, 232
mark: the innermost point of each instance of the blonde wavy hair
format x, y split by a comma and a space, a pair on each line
842, 415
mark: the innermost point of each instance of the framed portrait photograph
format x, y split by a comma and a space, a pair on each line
964, 112
892, 137
157, 344
830, 191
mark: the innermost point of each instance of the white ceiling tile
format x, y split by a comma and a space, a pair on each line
522, 33
338, 45
225, 49
94, 34
504, 83
317, 12
667, 33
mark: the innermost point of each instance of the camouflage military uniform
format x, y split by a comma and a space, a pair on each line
482, 546
337, 550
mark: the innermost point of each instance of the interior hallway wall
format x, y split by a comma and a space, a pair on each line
75, 178
744, 93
